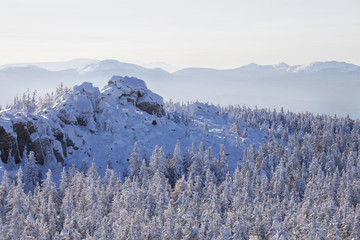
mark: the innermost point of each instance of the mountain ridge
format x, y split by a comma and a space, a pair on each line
299, 88
83, 63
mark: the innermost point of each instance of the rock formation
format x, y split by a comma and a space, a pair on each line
50, 133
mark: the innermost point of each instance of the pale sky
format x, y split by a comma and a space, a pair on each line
197, 33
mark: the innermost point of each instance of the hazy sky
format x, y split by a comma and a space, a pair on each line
202, 33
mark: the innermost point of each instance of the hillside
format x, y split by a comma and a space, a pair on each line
78, 125
121, 164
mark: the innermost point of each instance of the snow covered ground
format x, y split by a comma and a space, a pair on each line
104, 125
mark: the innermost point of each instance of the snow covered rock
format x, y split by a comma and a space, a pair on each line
20, 134
133, 90
51, 133
82, 124
79, 106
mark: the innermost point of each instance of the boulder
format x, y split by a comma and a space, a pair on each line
133, 90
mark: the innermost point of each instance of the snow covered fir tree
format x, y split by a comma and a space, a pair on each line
121, 164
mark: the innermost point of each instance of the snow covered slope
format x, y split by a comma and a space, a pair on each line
85, 124
326, 66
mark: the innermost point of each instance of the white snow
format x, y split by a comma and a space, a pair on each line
128, 83
103, 127
327, 66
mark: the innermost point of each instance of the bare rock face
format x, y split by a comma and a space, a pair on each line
22, 134
151, 107
133, 90
8, 145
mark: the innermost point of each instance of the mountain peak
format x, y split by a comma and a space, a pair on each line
108, 65
281, 66
327, 66
163, 65
250, 67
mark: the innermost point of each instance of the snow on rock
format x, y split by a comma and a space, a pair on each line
129, 89
79, 106
128, 84
86, 124
31, 133
75, 114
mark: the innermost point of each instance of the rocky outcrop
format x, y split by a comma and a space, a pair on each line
133, 90
151, 107
79, 107
23, 134
8, 145
55, 132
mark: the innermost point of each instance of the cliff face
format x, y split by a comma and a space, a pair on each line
32, 133
50, 133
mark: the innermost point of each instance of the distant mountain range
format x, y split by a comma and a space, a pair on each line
84, 63
320, 87
56, 66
